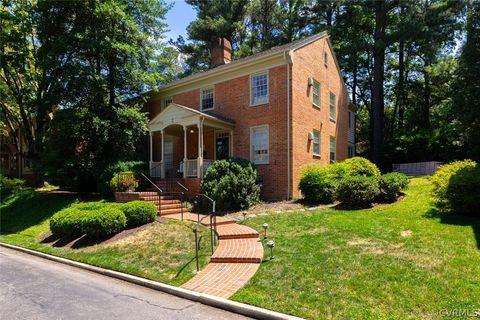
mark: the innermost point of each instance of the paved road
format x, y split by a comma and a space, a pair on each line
35, 288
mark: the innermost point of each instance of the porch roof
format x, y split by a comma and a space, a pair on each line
181, 115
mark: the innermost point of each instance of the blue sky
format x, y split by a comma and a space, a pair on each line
178, 18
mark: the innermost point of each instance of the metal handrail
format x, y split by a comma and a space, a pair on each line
181, 185
151, 182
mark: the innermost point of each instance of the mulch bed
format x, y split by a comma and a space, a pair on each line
85, 241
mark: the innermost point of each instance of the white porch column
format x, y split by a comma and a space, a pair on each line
162, 164
200, 150
151, 149
184, 151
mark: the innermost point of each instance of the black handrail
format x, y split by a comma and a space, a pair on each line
181, 185
151, 182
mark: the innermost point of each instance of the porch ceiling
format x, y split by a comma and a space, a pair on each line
184, 116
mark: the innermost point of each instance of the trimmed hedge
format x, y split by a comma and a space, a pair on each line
103, 222
456, 187
233, 183
390, 185
139, 212
96, 219
357, 191
317, 184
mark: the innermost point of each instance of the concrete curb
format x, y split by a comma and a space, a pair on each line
221, 303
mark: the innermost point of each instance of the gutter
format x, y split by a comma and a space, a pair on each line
289, 58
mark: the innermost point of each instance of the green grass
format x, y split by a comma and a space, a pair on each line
357, 265
162, 251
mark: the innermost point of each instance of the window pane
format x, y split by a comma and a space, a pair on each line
259, 88
207, 99
316, 93
333, 108
333, 143
260, 148
316, 142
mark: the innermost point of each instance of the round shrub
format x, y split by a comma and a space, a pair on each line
67, 222
441, 179
103, 222
357, 191
463, 192
317, 184
124, 181
390, 185
358, 166
232, 183
139, 212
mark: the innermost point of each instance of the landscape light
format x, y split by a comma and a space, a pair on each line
271, 245
265, 227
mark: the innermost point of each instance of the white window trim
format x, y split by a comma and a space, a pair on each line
268, 87
319, 143
334, 138
164, 100
319, 93
330, 106
201, 98
268, 143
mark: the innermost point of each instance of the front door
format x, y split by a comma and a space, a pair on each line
222, 145
168, 158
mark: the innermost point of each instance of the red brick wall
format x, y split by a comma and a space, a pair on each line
305, 117
123, 197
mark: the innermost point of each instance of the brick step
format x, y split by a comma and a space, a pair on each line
220, 221
249, 250
222, 279
166, 206
235, 231
170, 211
156, 197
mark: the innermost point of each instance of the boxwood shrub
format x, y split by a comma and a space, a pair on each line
139, 212
103, 222
441, 178
390, 186
233, 183
357, 191
358, 166
95, 219
317, 184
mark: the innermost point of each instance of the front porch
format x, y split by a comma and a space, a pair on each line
184, 142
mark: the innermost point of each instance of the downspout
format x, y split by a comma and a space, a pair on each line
288, 55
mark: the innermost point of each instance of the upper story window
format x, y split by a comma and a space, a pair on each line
333, 149
259, 88
207, 99
333, 106
316, 142
316, 93
325, 58
259, 145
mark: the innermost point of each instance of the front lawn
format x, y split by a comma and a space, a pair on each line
392, 261
160, 251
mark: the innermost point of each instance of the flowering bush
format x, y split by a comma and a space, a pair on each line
124, 181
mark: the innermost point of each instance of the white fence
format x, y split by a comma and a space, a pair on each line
416, 169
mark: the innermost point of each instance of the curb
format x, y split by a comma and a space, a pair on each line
221, 303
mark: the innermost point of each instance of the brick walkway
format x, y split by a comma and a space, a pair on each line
236, 259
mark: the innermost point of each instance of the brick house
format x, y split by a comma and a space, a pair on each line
282, 109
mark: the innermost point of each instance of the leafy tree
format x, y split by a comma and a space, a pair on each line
466, 90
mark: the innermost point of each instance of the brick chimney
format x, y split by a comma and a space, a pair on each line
220, 52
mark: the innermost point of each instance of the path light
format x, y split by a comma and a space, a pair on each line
244, 215
265, 227
271, 245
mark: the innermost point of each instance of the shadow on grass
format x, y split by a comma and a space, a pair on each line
26, 208
458, 220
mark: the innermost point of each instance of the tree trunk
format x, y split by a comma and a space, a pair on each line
399, 103
354, 86
378, 104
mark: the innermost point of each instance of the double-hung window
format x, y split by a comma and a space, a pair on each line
316, 93
316, 142
333, 148
207, 99
333, 106
259, 88
259, 153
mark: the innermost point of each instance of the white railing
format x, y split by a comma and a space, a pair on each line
190, 167
156, 169
206, 163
